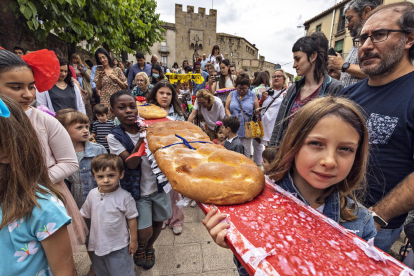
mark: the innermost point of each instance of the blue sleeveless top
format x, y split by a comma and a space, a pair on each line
247, 104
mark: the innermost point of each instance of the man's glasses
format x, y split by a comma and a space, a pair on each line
376, 37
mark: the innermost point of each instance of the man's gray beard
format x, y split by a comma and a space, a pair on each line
389, 62
357, 29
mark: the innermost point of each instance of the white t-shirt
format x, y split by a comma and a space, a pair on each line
148, 183
213, 60
269, 117
107, 211
212, 116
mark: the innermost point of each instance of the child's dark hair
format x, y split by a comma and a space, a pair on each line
152, 96
19, 48
107, 160
100, 109
70, 116
232, 122
118, 94
10, 61
269, 154
217, 129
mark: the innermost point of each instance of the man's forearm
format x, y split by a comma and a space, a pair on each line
356, 72
398, 201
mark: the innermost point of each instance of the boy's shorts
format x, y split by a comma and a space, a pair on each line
153, 207
117, 262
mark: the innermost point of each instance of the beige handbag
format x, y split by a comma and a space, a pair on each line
252, 129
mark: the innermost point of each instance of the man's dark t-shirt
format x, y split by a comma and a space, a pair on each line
389, 112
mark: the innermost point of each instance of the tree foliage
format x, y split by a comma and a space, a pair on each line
121, 25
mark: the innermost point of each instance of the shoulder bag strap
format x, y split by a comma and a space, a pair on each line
242, 111
278, 95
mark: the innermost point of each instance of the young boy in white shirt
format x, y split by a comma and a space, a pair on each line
112, 211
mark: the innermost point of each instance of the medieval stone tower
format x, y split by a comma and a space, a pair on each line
192, 28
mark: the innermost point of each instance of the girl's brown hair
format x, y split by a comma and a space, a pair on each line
152, 96
300, 127
23, 170
70, 116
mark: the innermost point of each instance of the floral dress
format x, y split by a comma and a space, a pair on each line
109, 87
21, 249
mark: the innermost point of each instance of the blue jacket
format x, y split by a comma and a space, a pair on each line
132, 178
363, 226
88, 181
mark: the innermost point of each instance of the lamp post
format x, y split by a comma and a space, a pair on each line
195, 55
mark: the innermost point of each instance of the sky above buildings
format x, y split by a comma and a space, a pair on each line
270, 24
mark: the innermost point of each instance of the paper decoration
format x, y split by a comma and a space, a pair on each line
174, 78
276, 234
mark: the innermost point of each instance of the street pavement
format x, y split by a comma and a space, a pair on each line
193, 253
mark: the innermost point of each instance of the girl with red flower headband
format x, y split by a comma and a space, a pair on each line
18, 78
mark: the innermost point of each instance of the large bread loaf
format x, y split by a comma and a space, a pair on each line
208, 174
151, 111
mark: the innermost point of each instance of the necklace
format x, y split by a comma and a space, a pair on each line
61, 86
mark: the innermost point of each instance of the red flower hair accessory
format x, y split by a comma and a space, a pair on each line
46, 68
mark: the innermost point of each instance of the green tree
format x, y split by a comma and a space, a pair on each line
118, 25
297, 78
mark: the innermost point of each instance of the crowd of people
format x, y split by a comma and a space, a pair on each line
341, 139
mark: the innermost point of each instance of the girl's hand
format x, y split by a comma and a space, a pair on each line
217, 231
133, 246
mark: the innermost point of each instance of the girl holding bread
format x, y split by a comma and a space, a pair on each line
322, 160
153, 204
165, 96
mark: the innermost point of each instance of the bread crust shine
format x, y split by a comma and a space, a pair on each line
151, 111
209, 174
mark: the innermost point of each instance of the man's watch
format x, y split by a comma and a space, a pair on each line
379, 219
345, 66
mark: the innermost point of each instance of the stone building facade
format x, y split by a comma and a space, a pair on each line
165, 50
191, 29
236, 48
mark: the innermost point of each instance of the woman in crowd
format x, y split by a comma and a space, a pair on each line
227, 80
164, 95
211, 108
143, 86
64, 94
83, 74
254, 76
241, 103
185, 63
211, 80
214, 53
156, 73
271, 100
108, 79
175, 68
261, 84
310, 54
58, 151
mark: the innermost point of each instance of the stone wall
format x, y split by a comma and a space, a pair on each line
168, 52
188, 25
236, 49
